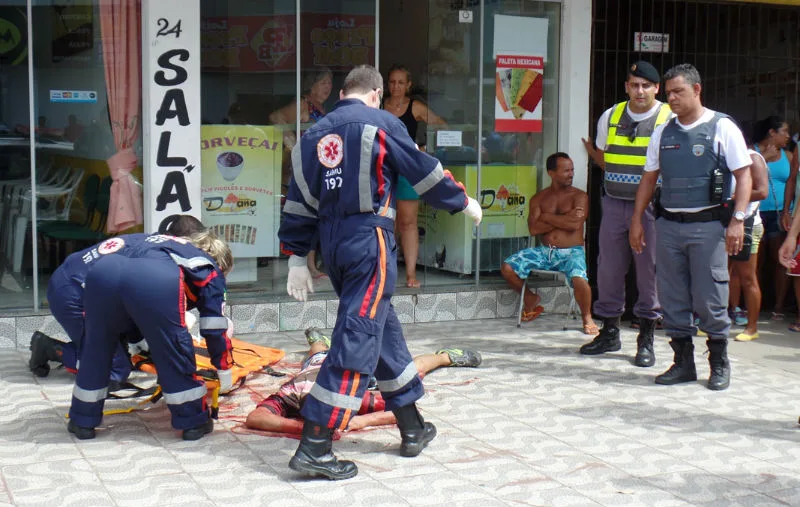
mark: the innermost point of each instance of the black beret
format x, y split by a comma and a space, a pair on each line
644, 70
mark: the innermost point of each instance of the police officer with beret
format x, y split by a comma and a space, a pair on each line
698, 155
623, 133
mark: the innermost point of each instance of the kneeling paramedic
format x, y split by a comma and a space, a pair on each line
150, 288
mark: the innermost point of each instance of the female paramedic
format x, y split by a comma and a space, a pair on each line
150, 288
65, 297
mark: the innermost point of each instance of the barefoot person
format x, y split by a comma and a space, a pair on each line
556, 215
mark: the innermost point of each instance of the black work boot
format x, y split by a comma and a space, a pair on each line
79, 431
314, 456
198, 432
43, 349
607, 341
415, 432
720, 377
645, 355
683, 369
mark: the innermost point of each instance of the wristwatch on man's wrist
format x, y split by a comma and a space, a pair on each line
739, 215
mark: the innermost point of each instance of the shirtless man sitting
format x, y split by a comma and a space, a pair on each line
556, 215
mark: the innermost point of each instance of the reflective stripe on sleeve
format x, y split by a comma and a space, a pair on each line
335, 399
365, 168
300, 178
193, 263
390, 386
295, 208
213, 323
89, 396
182, 397
429, 181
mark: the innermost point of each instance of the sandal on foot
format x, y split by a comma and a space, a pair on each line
413, 284
529, 315
744, 337
777, 316
591, 329
795, 327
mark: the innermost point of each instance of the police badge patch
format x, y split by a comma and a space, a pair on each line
698, 150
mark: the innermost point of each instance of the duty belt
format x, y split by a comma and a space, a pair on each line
706, 215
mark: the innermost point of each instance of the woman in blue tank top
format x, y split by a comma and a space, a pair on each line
771, 136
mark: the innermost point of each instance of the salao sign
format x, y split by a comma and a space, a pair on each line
171, 109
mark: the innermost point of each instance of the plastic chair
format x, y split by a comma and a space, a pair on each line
542, 278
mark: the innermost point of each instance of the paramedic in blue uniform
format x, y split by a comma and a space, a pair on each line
65, 298
150, 288
700, 155
344, 181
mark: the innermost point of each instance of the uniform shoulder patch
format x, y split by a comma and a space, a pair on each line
330, 150
111, 245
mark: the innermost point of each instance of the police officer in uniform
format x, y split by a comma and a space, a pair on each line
623, 132
698, 155
344, 182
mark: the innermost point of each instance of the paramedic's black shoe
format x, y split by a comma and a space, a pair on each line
415, 432
314, 455
79, 431
43, 349
199, 432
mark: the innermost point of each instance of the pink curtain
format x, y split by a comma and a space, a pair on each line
120, 23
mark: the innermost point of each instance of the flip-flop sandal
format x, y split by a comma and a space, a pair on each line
795, 327
591, 330
413, 284
777, 316
529, 315
318, 276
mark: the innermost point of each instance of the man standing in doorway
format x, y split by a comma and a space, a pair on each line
623, 133
697, 154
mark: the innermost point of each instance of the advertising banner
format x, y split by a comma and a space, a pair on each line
267, 43
241, 186
518, 93
446, 241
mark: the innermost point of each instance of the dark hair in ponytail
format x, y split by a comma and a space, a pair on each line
762, 128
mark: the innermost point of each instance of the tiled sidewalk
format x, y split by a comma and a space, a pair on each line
536, 424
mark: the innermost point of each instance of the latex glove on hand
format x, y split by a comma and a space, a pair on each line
140, 348
300, 282
225, 381
473, 210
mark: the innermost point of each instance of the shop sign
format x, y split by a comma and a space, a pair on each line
171, 108
267, 43
241, 186
518, 93
13, 35
651, 42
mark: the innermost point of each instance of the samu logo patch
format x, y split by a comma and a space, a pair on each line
698, 150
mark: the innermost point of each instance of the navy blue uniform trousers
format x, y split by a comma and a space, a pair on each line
361, 255
65, 297
121, 294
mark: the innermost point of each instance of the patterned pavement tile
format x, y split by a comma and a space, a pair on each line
787, 496
698, 487
629, 491
163, 489
537, 423
743, 501
443, 488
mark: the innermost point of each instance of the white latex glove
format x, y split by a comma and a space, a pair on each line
225, 381
300, 282
190, 320
230, 327
473, 210
140, 348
